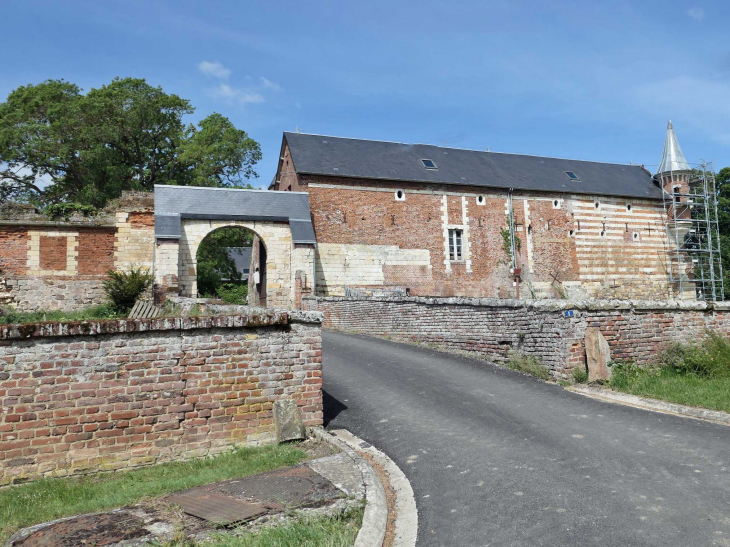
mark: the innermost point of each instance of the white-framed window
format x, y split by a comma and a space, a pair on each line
400, 195
455, 244
556, 204
481, 200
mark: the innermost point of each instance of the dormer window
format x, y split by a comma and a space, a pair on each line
429, 164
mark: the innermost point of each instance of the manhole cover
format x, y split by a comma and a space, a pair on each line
96, 530
283, 488
215, 507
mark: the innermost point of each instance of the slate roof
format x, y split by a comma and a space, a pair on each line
176, 203
391, 161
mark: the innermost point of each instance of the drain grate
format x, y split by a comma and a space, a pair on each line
284, 488
97, 530
215, 507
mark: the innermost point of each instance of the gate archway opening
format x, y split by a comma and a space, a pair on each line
231, 266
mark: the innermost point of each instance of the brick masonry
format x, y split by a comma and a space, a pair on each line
83, 397
571, 245
60, 264
491, 328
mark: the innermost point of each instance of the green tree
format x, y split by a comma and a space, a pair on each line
59, 145
215, 266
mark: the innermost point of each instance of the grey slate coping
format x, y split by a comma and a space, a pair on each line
173, 204
363, 159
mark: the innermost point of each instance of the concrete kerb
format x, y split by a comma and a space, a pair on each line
406, 522
375, 519
654, 405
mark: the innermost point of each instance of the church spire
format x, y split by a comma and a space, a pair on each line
672, 157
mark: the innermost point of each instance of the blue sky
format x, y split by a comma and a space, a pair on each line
576, 79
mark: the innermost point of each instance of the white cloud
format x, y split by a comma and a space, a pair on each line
697, 14
241, 96
215, 69
268, 84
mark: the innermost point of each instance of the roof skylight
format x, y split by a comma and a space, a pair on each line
429, 164
572, 176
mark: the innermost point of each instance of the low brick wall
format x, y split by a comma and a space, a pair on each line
87, 396
490, 328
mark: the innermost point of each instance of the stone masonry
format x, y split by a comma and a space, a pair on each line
492, 328
88, 396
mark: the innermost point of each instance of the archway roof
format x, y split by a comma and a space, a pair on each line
173, 204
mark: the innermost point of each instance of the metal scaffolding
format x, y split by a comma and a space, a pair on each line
695, 262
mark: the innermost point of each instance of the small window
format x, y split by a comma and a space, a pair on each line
603, 233
628, 207
572, 176
636, 236
597, 204
481, 200
429, 164
570, 233
455, 252
676, 194
400, 195
556, 204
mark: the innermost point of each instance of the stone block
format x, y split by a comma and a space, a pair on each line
288, 421
598, 355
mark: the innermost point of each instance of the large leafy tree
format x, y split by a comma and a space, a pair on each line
60, 145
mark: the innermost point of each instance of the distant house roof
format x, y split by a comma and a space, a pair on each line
176, 203
241, 257
392, 161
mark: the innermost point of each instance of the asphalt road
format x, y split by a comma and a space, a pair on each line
498, 458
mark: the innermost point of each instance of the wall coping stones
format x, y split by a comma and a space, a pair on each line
545, 305
259, 318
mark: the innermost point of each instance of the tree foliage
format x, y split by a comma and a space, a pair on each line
722, 186
215, 266
60, 145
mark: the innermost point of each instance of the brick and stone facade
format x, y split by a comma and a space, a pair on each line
492, 328
81, 397
51, 264
394, 235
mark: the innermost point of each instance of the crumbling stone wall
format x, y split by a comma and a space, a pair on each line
82, 397
51, 264
491, 328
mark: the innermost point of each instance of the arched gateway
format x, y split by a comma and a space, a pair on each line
284, 243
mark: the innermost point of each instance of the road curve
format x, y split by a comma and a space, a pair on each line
498, 458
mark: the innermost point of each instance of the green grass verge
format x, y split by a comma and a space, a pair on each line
529, 364
338, 531
50, 499
694, 374
684, 389
104, 311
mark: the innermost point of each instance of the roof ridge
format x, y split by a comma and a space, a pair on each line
465, 149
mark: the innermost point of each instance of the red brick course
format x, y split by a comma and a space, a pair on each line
53, 253
13, 250
96, 251
82, 397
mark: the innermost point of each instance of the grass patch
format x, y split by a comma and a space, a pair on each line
103, 311
580, 375
529, 364
694, 374
337, 531
50, 499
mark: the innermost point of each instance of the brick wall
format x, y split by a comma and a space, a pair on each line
81, 397
490, 328
571, 245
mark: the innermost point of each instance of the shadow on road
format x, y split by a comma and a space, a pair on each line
332, 407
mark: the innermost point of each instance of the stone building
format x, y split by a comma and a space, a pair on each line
429, 220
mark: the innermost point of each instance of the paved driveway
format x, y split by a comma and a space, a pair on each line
497, 458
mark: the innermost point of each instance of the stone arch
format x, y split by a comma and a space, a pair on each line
275, 237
